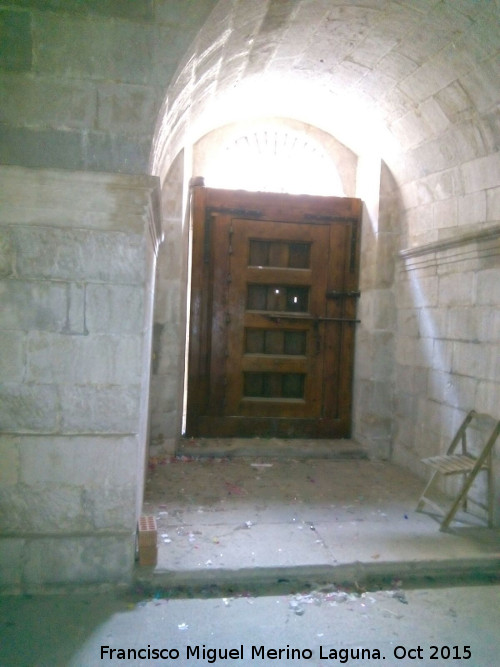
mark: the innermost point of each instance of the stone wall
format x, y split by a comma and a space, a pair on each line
170, 315
375, 334
77, 256
82, 80
448, 343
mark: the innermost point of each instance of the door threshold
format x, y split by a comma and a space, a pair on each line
276, 448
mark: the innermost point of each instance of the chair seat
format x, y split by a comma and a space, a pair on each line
467, 465
453, 464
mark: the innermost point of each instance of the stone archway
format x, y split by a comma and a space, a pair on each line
414, 93
361, 177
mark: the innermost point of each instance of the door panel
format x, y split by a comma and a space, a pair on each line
272, 330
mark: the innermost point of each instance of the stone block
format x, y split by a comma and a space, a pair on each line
48, 102
472, 208
164, 392
168, 352
82, 461
405, 406
488, 287
64, 199
115, 309
382, 353
78, 255
9, 456
407, 322
78, 560
413, 351
44, 509
38, 147
419, 292
16, 42
168, 300
126, 107
114, 50
404, 379
75, 323
12, 550
171, 44
492, 354
445, 213
443, 420
27, 407
453, 390
488, 397
442, 355
434, 116
454, 101
116, 152
488, 321
67, 508
190, 13
482, 173
381, 448
470, 359
100, 409
481, 83
139, 9
492, 203
165, 425
381, 402
6, 254
411, 130
114, 507
462, 323
432, 323
12, 356
29, 305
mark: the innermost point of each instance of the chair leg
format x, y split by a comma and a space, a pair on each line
491, 491
463, 494
422, 499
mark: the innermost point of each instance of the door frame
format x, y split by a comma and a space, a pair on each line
238, 203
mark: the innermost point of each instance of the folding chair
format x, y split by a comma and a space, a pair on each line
463, 463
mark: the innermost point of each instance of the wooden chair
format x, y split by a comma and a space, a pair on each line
463, 463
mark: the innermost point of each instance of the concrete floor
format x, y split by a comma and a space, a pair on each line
243, 521
323, 555
69, 631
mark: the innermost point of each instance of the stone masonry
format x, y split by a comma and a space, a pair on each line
76, 286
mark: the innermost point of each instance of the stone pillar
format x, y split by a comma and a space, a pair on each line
374, 361
170, 316
77, 259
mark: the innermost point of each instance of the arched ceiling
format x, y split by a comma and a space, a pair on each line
414, 81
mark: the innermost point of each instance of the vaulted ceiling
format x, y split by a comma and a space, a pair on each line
414, 81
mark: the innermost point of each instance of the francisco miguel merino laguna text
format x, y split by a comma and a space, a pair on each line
212, 655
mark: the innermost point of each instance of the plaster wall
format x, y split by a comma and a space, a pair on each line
77, 257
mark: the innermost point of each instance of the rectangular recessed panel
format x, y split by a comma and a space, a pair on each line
279, 254
278, 298
255, 341
295, 342
300, 256
271, 341
273, 385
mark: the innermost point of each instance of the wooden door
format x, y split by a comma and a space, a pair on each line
273, 314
